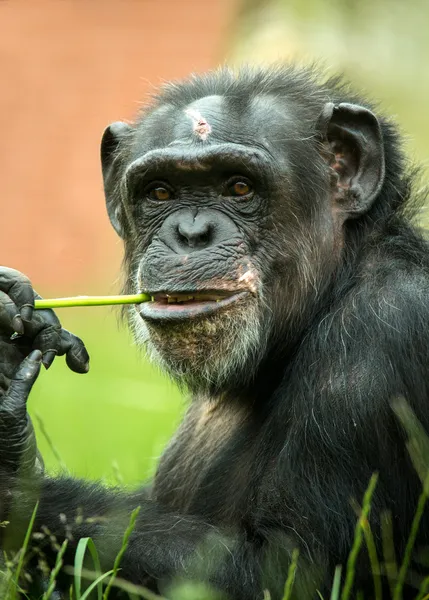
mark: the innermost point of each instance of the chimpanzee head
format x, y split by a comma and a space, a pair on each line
232, 194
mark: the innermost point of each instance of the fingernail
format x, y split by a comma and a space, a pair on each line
35, 356
27, 312
48, 358
86, 367
17, 324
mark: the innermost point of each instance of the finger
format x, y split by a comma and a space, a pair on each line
77, 357
10, 319
21, 384
46, 332
48, 341
18, 287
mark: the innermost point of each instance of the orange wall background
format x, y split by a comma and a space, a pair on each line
70, 67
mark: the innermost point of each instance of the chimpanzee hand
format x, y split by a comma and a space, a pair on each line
22, 329
18, 449
23, 332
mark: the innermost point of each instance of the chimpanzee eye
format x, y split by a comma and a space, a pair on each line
159, 192
238, 187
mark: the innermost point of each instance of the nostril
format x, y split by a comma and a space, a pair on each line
205, 238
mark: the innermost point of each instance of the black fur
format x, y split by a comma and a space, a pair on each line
270, 454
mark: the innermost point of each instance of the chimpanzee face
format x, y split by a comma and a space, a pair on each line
231, 213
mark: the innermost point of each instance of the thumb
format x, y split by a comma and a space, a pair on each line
22, 382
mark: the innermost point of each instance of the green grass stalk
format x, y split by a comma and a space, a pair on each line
83, 545
389, 554
23, 550
121, 552
410, 542
424, 586
373, 559
357, 542
90, 301
336, 584
50, 443
418, 447
291, 575
55, 571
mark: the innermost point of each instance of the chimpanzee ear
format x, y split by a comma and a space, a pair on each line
112, 137
355, 153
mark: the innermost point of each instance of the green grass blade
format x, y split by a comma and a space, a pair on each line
389, 554
373, 559
291, 575
336, 584
23, 550
424, 586
418, 448
117, 473
410, 544
55, 571
96, 583
357, 542
121, 552
50, 443
83, 545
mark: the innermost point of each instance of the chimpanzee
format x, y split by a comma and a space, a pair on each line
269, 214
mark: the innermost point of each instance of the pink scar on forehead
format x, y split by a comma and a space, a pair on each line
199, 125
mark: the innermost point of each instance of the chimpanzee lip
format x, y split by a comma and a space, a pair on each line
187, 304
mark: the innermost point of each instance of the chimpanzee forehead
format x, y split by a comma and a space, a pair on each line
262, 120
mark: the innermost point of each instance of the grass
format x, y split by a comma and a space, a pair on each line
91, 584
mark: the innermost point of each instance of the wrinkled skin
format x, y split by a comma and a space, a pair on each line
39, 336
266, 215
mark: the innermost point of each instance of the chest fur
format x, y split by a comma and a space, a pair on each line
207, 460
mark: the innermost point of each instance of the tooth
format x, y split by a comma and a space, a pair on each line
190, 297
218, 300
170, 300
152, 298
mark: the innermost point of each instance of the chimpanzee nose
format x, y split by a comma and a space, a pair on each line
195, 233
189, 230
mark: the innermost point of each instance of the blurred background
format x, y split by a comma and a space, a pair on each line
70, 67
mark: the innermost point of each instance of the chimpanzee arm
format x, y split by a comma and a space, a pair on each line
163, 547
345, 430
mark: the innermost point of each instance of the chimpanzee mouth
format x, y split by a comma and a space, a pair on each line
187, 305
